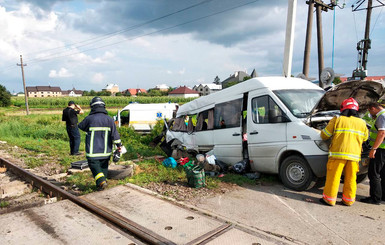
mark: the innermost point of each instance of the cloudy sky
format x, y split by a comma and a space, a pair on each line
142, 43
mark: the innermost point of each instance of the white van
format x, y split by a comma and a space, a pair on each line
143, 117
266, 119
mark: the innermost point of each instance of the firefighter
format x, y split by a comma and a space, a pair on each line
376, 172
348, 132
101, 135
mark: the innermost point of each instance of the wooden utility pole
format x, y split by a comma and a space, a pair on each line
320, 6
309, 28
25, 90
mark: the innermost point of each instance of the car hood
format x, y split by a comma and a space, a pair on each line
364, 92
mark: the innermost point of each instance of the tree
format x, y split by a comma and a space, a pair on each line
337, 80
246, 78
217, 80
5, 97
229, 84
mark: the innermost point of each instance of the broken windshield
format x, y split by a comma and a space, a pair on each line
300, 101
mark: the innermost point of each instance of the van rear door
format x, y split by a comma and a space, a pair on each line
266, 131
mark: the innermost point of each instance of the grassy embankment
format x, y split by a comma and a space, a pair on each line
45, 139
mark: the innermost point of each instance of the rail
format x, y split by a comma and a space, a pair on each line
53, 191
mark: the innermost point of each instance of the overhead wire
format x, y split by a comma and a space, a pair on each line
150, 33
112, 34
375, 22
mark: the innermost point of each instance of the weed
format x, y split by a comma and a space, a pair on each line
4, 204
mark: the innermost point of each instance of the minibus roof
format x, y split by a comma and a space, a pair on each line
235, 92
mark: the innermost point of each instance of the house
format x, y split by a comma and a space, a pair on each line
72, 93
369, 78
206, 89
162, 87
237, 77
184, 92
44, 91
113, 88
134, 91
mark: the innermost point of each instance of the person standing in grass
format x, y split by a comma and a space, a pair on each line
70, 116
101, 135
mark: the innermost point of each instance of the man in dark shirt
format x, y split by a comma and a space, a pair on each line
70, 116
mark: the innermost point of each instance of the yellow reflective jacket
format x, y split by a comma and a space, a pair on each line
348, 135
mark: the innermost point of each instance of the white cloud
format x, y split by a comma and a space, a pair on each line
63, 72
98, 78
181, 72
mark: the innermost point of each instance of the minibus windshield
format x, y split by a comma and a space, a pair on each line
300, 101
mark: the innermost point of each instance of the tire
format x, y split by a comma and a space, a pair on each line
361, 177
296, 174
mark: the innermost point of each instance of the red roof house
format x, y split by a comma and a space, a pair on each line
184, 92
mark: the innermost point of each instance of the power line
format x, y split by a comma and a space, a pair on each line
147, 34
112, 34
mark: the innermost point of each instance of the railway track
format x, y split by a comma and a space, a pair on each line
151, 230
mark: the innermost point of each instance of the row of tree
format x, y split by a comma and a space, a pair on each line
5, 97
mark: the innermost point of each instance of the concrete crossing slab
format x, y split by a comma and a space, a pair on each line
60, 223
168, 220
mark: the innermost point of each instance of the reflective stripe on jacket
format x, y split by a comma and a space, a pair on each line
348, 134
374, 132
101, 135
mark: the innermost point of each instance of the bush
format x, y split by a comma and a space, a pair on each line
5, 97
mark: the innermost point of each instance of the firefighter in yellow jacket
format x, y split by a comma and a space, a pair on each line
348, 132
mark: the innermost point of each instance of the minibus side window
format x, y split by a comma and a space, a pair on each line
205, 120
179, 125
228, 114
265, 110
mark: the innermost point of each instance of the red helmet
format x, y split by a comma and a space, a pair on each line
349, 104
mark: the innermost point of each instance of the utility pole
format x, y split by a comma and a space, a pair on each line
364, 45
25, 90
320, 6
305, 69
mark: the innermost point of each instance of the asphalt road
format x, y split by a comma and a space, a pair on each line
298, 216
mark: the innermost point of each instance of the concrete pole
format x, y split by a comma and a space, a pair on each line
320, 43
25, 90
289, 39
367, 32
309, 27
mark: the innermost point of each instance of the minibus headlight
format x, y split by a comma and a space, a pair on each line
323, 145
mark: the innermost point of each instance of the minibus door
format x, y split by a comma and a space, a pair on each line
266, 132
227, 131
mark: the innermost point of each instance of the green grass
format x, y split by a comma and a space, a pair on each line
44, 139
84, 101
4, 204
83, 180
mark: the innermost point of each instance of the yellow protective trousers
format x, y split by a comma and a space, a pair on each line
333, 176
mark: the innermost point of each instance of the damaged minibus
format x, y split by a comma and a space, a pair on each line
274, 122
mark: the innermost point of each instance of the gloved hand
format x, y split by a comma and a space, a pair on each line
116, 155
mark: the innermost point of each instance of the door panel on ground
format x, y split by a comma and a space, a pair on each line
266, 132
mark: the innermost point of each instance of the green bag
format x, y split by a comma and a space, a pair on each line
195, 175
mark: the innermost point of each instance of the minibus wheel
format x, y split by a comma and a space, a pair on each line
295, 173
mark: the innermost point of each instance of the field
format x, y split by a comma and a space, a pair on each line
40, 142
84, 101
